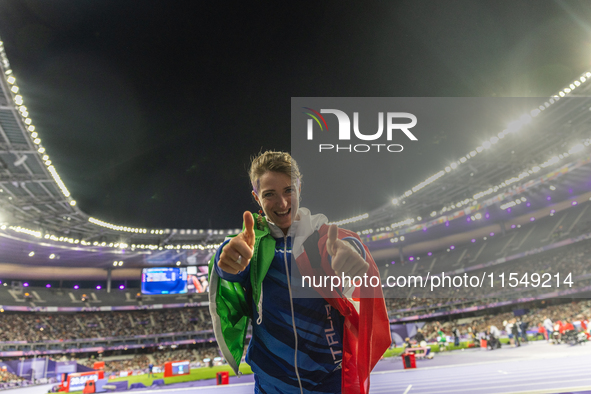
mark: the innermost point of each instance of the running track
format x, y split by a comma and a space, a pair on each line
535, 368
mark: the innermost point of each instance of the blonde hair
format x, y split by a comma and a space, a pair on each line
281, 162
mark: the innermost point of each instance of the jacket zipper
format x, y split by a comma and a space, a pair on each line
260, 318
295, 332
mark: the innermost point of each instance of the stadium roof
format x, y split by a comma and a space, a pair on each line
35, 201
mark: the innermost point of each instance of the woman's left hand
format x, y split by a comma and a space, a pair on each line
345, 259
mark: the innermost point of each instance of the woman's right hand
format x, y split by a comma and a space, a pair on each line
237, 253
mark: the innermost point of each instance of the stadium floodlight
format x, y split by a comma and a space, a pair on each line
575, 149
339, 223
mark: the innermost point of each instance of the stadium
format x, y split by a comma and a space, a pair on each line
484, 266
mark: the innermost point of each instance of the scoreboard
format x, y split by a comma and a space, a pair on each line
164, 280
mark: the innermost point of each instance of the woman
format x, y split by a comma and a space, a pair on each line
327, 344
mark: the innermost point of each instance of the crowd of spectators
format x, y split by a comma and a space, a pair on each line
574, 260
139, 363
47, 326
8, 377
572, 312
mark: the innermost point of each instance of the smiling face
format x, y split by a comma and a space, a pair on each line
279, 198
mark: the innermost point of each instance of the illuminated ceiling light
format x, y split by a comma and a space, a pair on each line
41, 150
11, 80
120, 263
52, 256
31, 128
58, 180
73, 203
14, 89
31, 254
448, 169
178, 263
28, 121
114, 263
341, 222
453, 166
575, 149
34, 135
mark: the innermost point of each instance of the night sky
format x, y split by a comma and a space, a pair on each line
150, 110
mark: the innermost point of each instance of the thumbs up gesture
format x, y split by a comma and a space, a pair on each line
237, 253
345, 259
